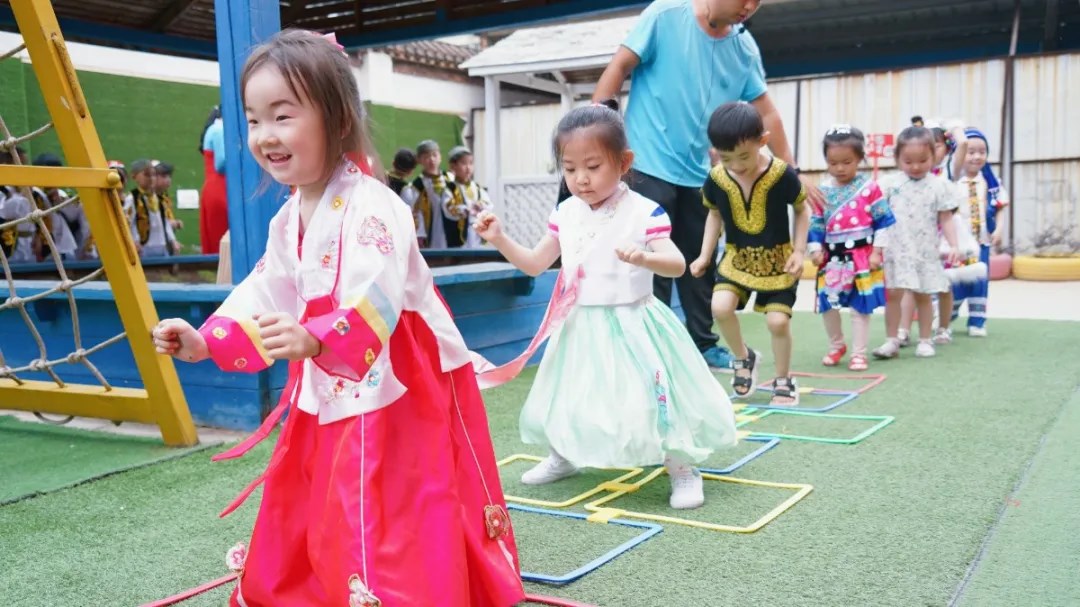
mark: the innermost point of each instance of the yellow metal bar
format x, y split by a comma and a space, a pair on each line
118, 404
79, 140
58, 177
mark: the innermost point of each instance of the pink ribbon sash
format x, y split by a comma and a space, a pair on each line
562, 302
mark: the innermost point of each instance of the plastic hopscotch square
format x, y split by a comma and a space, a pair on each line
611, 485
837, 399
882, 421
801, 490
872, 380
649, 530
766, 445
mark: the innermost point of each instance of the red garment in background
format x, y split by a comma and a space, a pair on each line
213, 207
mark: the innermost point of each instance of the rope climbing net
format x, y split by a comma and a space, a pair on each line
33, 214
39, 218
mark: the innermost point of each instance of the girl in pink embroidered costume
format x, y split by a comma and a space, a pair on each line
846, 241
382, 489
621, 382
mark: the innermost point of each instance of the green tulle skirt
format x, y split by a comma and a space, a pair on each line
625, 386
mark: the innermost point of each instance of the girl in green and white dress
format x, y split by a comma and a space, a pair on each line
621, 383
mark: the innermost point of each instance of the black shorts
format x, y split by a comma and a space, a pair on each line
764, 301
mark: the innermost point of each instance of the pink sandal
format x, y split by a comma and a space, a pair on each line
858, 363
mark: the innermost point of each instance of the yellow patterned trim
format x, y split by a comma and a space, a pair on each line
752, 221
773, 307
251, 330
739, 292
758, 268
373, 318
800, 199
705, 200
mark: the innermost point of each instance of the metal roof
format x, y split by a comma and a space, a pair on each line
796, 36
806, 36
187, 27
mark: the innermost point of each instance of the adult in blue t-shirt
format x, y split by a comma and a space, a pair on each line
686, 58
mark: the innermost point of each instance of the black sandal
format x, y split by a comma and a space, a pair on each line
745, 386
785, 387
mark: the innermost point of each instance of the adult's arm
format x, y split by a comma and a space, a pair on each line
778, 144
615, 74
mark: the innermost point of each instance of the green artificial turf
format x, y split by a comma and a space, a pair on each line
895, 520
1033, 556
39, 458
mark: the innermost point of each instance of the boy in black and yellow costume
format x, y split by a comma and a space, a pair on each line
469, 200
150, 225
20, 242
429, 195
403, 166
163, 172
751, 193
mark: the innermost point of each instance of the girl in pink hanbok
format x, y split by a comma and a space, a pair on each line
382, 488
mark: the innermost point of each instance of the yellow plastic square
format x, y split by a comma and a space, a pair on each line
801, 491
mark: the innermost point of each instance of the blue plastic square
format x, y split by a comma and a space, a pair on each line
769, 443
651, 529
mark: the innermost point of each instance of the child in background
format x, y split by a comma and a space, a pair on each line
59, 228
163, 173
470, 199
150, 225
621, 383
950, 149
980, 215
749, 193
922, 204
402, 168
847, 239
382, 488
429, 196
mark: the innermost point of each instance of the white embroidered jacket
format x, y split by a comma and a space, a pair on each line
360, 268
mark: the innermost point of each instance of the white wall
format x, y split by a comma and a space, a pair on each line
381, 85
1046, 184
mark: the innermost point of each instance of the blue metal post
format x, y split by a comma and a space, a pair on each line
242, 24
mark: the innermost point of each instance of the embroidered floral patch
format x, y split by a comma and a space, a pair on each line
341, 325
240, 363
260, 265
373, 379
497, 521
373, 232
337, 203
235, 557
360, 595
219, 332
369, 357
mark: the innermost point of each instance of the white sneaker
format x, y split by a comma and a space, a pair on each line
943, 336
976, 331
903, 338
925, 349
890, 349
687, 488
552, 468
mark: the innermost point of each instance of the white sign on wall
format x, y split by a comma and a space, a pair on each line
187, 199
